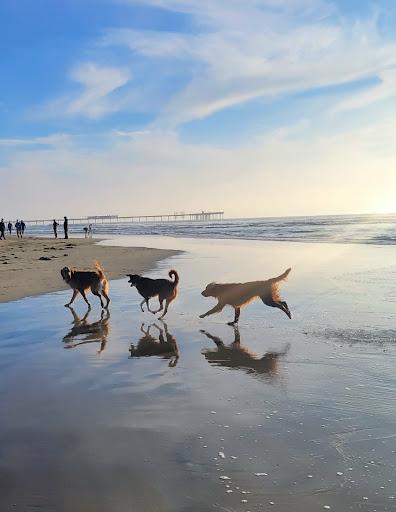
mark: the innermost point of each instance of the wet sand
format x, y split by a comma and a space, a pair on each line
31, 266
286, 415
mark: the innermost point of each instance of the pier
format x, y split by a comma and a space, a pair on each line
117, 219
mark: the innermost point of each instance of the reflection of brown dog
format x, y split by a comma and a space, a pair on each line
82, 280
90, 332
148, 345
240, 294
237, 356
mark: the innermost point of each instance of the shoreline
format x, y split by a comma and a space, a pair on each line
31, 266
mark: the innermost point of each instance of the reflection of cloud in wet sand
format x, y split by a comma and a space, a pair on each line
236, 356
83, 332
163, 345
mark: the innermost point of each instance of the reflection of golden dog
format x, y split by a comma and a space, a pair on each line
82, 280
240, 294
90, 332
148, 345
237, 356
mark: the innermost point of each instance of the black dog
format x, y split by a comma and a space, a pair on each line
163, 288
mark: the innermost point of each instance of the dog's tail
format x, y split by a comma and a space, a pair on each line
282, 277
102, 276
100, 271
175, 275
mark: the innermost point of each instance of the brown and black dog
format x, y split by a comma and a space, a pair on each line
240, 294
164, 289
82, 280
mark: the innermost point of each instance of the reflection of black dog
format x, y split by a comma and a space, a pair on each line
165, 289
90, 332
237, 356
148, 345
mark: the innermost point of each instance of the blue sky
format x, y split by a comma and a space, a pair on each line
260, 107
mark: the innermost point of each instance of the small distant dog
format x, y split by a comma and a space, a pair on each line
240, 294
165, 289
82, 280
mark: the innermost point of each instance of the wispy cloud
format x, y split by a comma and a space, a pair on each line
97, 95
382, 91
352, 170
245, 50
49, 140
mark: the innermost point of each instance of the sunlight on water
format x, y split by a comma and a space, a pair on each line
364, 229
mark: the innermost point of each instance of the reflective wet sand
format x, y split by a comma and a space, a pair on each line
121, 412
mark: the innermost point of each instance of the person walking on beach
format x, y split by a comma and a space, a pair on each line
90, 231
17, 227
66, 227
55, 228
86, 231
9, 227
23, 226
2, 230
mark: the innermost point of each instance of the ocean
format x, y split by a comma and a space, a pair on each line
361, 229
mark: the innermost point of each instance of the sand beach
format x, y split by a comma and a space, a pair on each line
30, 266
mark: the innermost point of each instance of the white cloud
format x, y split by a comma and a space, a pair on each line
99, 92
280, 174
245, 50
49, 140
384, 90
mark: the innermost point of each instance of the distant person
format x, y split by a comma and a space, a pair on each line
18, 228
2, 230
55, 228
85, 228
90, 230
9, 227
66, 227
23, 226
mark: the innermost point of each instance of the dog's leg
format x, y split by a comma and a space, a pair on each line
167, 302
141, 305
236, 318
107, 298
237, 337
75, 293
148, 305
215, 339
161, 303
219, 307
286, 309
274, 304
98, 295
84, 297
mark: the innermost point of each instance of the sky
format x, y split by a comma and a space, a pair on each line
254, 107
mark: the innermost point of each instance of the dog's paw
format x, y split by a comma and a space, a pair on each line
202, 316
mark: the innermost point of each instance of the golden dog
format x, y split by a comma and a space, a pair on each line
82, 280
240, 294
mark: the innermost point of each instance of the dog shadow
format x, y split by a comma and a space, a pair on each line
237, 357
163, 344
83, 331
